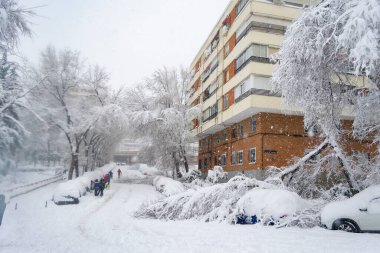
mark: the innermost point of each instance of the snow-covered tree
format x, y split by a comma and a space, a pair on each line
324, 54
75, 100
157, 109
13, 24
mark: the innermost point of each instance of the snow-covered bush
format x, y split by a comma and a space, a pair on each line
190, 176
216, 175
216, 202
168, 186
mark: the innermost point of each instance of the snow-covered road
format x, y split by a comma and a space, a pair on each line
107, 225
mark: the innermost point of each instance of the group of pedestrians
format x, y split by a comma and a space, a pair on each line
102, 183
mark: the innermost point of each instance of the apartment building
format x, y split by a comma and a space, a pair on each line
243, 127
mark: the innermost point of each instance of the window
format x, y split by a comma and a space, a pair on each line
294, 4
214, 64
241, 88
227, 49
226, 99
200, 164
233, 132
253, 124
210, 90
241, 6
217, 139
240, 157
242, 30
252, 155
233, 158
210, 112
222, 160
224, 135
254, 50
241, 130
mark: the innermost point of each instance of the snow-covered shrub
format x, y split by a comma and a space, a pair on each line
216, 175
216, 202
192, 175
168, 186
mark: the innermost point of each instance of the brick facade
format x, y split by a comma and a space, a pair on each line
276, 138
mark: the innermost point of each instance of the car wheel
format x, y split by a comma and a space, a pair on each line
346, 225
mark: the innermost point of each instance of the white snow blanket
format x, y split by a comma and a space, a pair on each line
270, 203
168, 186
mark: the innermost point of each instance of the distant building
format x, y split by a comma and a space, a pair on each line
127, 152
243, 127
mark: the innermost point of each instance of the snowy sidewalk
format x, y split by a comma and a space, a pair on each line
107, 225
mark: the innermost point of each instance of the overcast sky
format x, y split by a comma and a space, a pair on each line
131, 38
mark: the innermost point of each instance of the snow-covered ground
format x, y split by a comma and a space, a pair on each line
107, 225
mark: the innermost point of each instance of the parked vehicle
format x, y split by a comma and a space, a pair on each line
361, 213
268, 206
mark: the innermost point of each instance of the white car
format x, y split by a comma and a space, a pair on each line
361, 213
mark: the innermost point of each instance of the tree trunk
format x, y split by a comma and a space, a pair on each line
185, 162
74, 159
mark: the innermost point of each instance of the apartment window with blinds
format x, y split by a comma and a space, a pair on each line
240, 157
241, 5
252, 155
254, 50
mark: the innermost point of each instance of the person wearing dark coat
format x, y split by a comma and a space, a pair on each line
102, 186
97, 187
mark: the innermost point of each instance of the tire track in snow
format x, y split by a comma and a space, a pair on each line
85, 219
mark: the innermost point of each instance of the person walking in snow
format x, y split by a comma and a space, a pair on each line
119, 173
102, 186
96, 187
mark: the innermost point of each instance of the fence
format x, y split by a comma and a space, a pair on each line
23, 189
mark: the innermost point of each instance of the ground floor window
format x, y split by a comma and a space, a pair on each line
252, 155
222, 160
240, 157
233, 158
